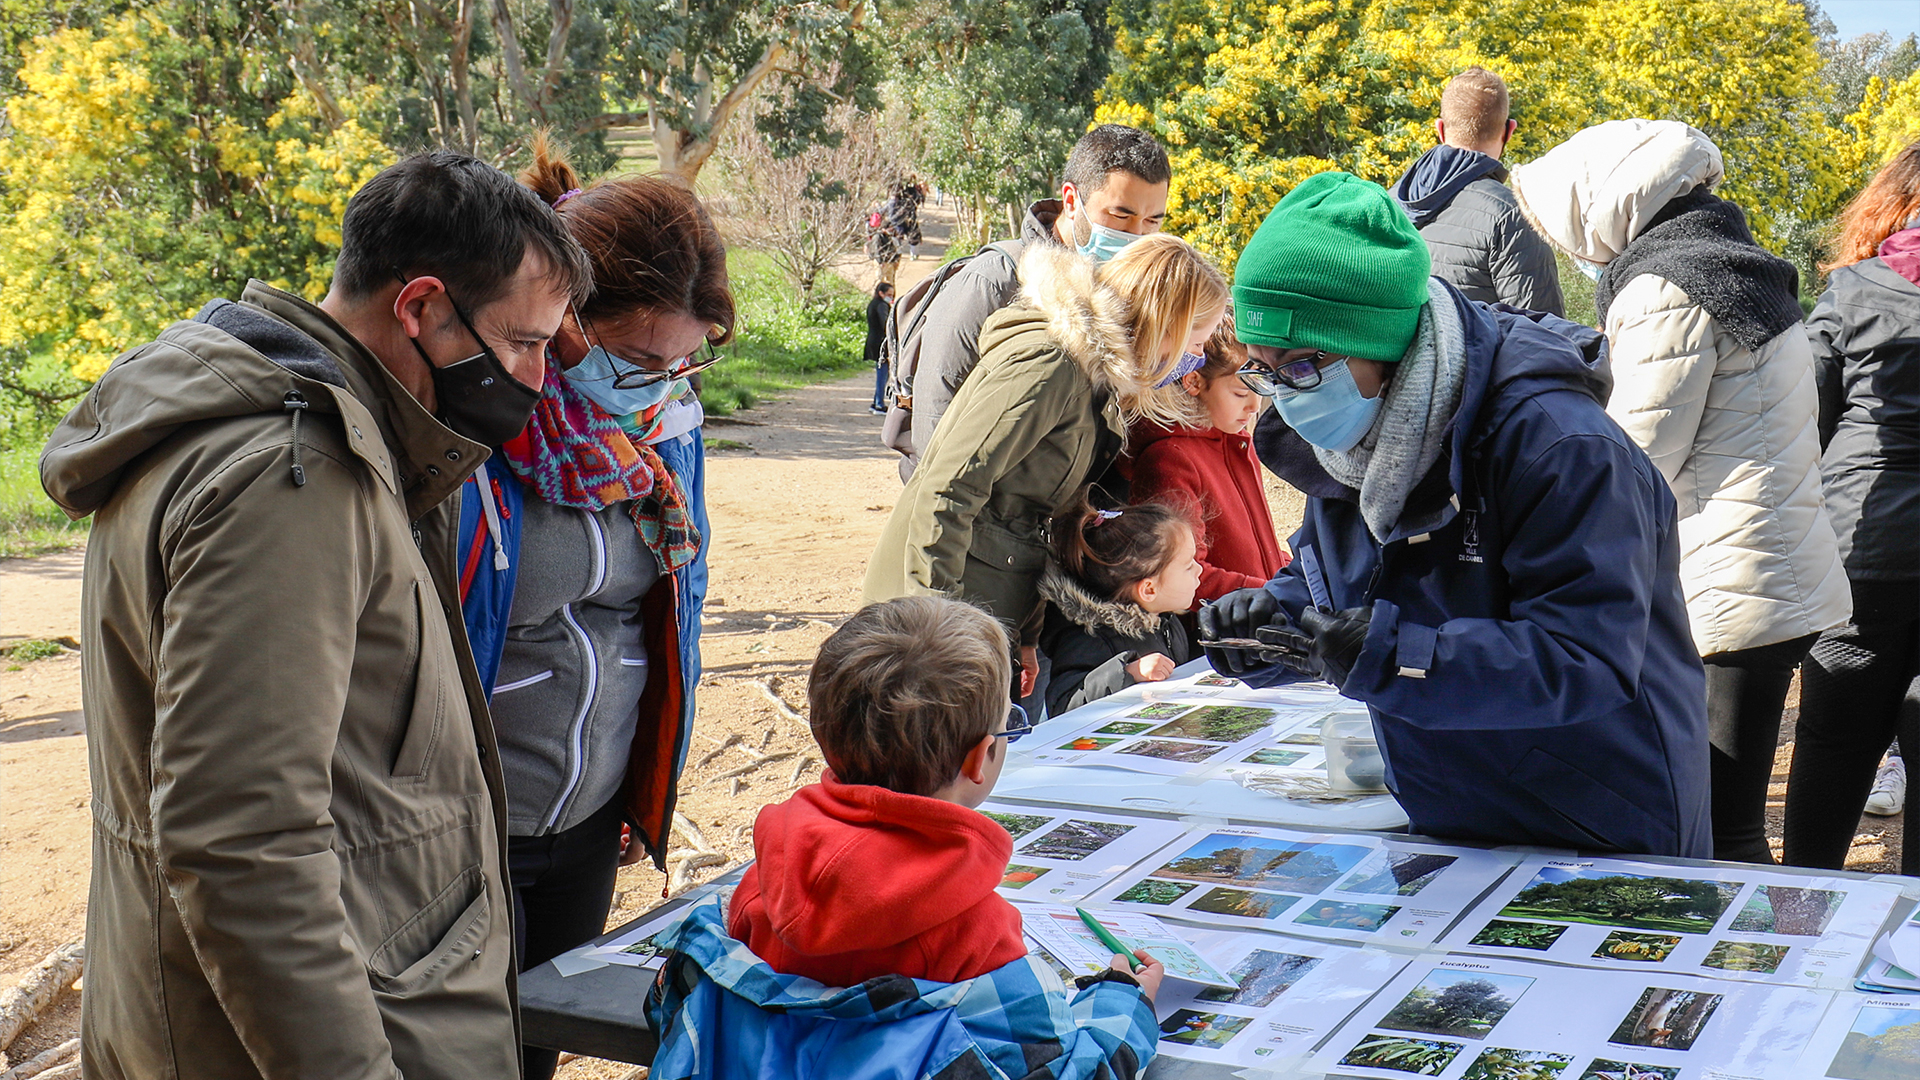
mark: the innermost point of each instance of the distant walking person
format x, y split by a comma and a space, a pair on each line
877, 311
883, 238
1861, 683
1714, 379
1457, 199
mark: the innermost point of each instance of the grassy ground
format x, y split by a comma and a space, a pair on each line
29, 523
780, 345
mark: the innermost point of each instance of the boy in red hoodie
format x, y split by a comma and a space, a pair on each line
884, 867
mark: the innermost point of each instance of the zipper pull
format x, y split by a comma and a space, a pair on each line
296, 403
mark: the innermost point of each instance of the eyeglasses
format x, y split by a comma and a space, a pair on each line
1018, 724
1267, 380
636, 377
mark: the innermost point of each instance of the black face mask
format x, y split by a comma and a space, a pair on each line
477, 397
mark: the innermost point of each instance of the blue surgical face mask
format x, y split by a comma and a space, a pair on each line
1101, 243
1592, 270
1333, 415
594, 375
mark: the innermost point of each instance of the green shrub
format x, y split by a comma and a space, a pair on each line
26, 652
781, 344
29, 522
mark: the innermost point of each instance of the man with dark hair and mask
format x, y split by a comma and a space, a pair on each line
298, 813
1113, 191
1487, 560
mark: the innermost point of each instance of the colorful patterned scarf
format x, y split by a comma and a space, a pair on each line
575, 455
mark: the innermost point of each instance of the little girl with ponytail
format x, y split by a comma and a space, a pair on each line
1115, 591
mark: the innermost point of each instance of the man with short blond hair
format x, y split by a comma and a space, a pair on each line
1457, 197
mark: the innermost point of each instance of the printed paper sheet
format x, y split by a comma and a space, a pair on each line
1866, 1037
1345, 886
1477, 1018
1756, 924
1060, 857
1061, 932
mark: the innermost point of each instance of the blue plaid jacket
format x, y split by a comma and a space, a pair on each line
722, 1012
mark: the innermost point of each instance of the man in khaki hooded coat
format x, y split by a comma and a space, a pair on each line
298, 815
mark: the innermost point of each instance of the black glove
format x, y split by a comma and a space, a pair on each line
1239, 614
1337, 641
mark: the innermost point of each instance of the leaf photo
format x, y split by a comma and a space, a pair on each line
1017, 825
1274, 756
1072, 841
1645, 948
1124, 727
1338, 916
1241, 902
1153, 891
1161, 710
1499, 1064
1519, 935
1640, 902
1883, 1044
1262, 977
1603, 1069
1668, 1019
1778, 909
1456, 1002
1420, 1057
1019, 877
1208, 1030
1219, 723
1397, 873
1747, 956
1226, 859
1171, 751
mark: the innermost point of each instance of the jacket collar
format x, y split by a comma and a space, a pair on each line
1086, 319
431, 460
1091, 613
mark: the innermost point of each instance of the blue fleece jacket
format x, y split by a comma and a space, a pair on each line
1529, 667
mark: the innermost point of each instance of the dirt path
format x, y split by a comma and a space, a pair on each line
797, 491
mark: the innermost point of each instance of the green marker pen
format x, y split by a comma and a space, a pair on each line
1107, 938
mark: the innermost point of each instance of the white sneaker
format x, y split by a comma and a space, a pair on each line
1889, 793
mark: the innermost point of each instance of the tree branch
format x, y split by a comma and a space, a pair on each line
556, 51
40, 395
511, 58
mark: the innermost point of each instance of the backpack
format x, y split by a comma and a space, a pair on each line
900, 348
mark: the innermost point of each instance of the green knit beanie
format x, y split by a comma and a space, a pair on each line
1338, 266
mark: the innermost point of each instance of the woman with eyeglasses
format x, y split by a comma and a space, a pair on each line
581, 556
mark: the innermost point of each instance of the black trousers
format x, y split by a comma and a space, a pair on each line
1746, 694
1859, 688
562, 892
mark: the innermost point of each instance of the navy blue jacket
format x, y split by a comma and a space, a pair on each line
1529, 667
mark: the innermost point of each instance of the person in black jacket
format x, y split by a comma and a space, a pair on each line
1457, 198
1861, 683
1115, 593
877, 310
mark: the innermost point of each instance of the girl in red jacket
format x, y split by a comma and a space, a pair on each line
1210, 472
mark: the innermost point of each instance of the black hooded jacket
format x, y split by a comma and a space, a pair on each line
1475, 233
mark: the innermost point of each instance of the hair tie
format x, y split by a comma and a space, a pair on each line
1101, 517
564, 198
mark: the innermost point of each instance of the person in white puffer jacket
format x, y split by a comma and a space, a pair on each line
1713, 378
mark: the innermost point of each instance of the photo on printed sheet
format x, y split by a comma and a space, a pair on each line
1017, 825
1155, 891
1780, 909
1019, 877
1087, 742
1274, 755
1124, 727
1457, 1003
1397, 873
1171, 751
1666, 1019
1218, 723
1420, 1057
1262, 976
1519, 935
1882, 1044
1161, 710
1634, 901
1748, 956
1643, 948
1207, 1030
1244, 902
649, 945
1308, 736
1365, 918
1213, 678
1608, 1069
1260, 862
1497, 1063
1072, 841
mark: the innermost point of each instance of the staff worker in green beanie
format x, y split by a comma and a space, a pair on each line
1487, 560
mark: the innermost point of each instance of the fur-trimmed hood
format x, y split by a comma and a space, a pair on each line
1091, 613
1088, 320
